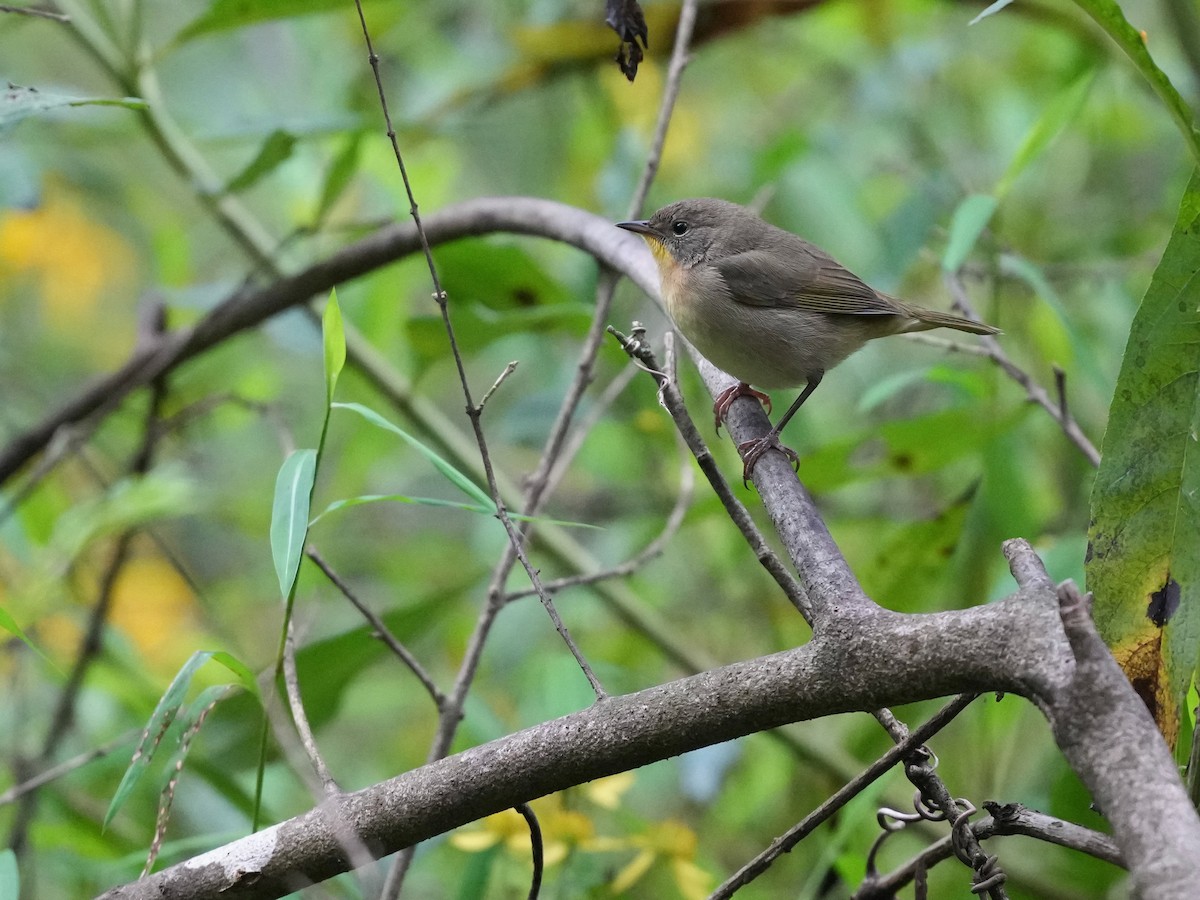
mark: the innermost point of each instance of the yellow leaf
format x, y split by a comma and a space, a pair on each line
632, 873
554, 852
506, 824
569, 825
473, 840
673, 838
693, 882
607, 792
604, 844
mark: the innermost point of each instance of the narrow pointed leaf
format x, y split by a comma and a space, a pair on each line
275, 150
16, 103
333, 337
453, 475
967, 224
164, 715
9, 624
338, 177
289, 515
240, 670
438, 502
1054, 118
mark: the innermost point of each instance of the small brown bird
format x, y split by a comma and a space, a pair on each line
767, 306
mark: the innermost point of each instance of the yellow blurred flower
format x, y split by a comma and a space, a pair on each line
73, 260
155, 607
607, 792
686, 134
671, 842
562, 831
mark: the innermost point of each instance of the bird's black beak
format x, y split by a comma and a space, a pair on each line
641, 226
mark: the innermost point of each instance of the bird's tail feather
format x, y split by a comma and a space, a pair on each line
926, 319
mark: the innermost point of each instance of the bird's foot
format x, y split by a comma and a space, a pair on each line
752, 451
726, 397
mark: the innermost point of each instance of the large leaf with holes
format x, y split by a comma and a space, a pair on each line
1143, 562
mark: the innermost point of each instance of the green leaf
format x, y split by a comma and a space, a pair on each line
241, 671
1143, 561
16, 103
445, 504
967, 224
1050, 123
9, 624
1108, 15
129, 503
340, 172
499, 290
975, 211
889, 386
289, 515
226, 14
330, 666
333, 338
337, 505
903, 448
275, 149
453, 475
904, 563
165, 713
189, 718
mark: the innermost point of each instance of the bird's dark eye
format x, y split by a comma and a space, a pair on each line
679, 226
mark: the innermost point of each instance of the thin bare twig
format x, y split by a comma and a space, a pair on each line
789, 839
680, 54
933, 340
536, 846
687, 485
500, 379
380, 627
638, 349
1060, 387
473, 412
1003, 821
33, 11
1035, 392
539, 483
67, 767
318, 783
308, 740
575, 440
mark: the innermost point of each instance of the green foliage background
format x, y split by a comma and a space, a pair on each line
862, 126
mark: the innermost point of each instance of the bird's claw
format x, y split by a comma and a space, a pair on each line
726, 397
752, 451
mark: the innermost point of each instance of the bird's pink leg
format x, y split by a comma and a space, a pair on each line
752, 451
726, 397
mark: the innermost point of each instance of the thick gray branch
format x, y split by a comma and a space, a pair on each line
889, 659
1114, 746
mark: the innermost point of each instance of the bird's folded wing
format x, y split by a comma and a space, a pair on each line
805, 278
